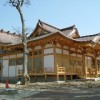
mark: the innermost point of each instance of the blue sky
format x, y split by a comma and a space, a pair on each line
85, 14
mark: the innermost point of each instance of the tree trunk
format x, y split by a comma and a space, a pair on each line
25, 51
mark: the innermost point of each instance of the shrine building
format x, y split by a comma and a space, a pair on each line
54, 54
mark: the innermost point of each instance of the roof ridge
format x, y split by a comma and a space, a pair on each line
8, 32
70, 27
47, 24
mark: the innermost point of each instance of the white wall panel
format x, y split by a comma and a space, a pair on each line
79, 50
58, 50
58, 45
49, 61
5, 68
12, 56
37, 47
47, 51
65, 47
48, 45
66, 52
72, 49
73, 54
78, 55
6, 57
19, 55
12, 72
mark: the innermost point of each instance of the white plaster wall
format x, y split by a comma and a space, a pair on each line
79, 50
47, 51
48, 45
19, 55
12, 56
65, 47
72, 49
73, 54
6, 57
58, 50
37, 47
12, 72
5, 68
78, 55
66, 52
49, 61
58, 45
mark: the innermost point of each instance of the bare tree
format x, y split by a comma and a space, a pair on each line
18, 5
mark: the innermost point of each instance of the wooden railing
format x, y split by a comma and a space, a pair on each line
49, 70
38, 70
58, 70
91, 72
61, 70
79, 72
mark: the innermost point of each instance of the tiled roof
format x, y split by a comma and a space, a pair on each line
88, 38
9, 38
51, 29
69, 32
48, 27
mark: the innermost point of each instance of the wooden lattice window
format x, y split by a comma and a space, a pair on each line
12, 62
19, 61
37, 62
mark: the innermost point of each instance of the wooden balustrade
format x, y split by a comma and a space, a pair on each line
91, 72
79, 72
49, 70
38, 70
58, 70
61, 70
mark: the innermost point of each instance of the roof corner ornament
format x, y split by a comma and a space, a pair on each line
40, 23
1, 30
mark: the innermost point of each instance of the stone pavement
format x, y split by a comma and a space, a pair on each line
72, 90
68, 93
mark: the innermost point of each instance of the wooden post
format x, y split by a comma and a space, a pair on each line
57, 73
84, 66
57, 77
65, 77
71, 77
96, 67
54, 50
45, 78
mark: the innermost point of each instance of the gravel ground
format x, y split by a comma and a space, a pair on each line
71, 90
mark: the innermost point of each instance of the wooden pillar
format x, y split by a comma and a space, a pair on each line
57, 73
32, 62
42, 58
69, 59
63, 64
16, 74
84, 67
33, 70
65, 77
96, 67
54, 50
71, 77
45, 77
62, 56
